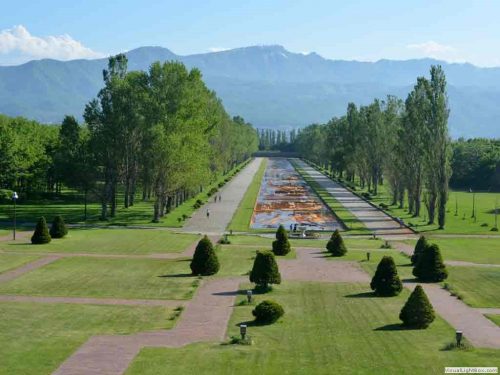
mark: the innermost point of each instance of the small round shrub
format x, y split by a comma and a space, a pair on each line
267, 312
281, 246
419, 249
205, 262
336, 245
41, 235
58, 228
417, 311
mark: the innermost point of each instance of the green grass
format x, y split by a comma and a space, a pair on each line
241, 219
353, 224
236, 260
327, 329
476, 286
37, 338
475, 250
70, 206
105, 277
354, 243
11, 261
494, 318
110, 241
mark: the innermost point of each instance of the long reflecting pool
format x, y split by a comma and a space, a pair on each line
285, 198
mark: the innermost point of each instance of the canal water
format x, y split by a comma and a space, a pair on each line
285, 198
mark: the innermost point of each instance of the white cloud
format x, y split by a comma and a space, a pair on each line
434, 50
18, 45
217, 49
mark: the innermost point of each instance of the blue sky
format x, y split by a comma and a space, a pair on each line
362, 30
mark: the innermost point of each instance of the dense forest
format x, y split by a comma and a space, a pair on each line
159, 135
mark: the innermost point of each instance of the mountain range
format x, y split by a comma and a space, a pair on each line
269, 86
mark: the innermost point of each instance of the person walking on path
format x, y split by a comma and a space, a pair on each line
220, 198
208, 213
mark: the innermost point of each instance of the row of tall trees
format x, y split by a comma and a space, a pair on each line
161, 134
405, 143
276, 139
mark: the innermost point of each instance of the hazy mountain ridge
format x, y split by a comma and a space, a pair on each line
267, 85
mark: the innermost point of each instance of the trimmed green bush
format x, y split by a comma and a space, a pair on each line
265, 270
386, 282
205, 262
417, 311
430, 266
281, 246
58, 228
419, 249
267, 312
41, 234
336, 245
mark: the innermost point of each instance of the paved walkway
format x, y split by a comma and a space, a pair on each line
489, 310
205, 319
311, 265
222, 212
12, 274
478, 329
373, 218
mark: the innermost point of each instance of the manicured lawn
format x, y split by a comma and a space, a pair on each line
494, 318
105, 277
327, 329
70, 206
477, 286
353, 224
11, 261
110, 241
354, 243
235, 260
241, 219
37, 338
476, 250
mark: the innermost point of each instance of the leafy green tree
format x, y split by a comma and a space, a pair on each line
336, 244
205, 261
386, 282
41, 235
430, 266
265, 270
419, 249
267, 312
58, 228
417, 311
281, 246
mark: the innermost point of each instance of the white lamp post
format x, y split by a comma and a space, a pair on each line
14, 198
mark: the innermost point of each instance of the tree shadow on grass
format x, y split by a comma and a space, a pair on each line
177, 275
361, 295
393, 327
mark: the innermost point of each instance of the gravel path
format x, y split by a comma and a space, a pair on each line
489, 310
478, 329
311, 265
222, 212
94, 301
205, 318
374, 219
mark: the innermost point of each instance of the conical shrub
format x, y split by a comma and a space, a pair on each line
386, 282
419, 249
336, 244
430, 266
204, 262
265, 270
417, 311
41, 234
281, 246
58, 228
